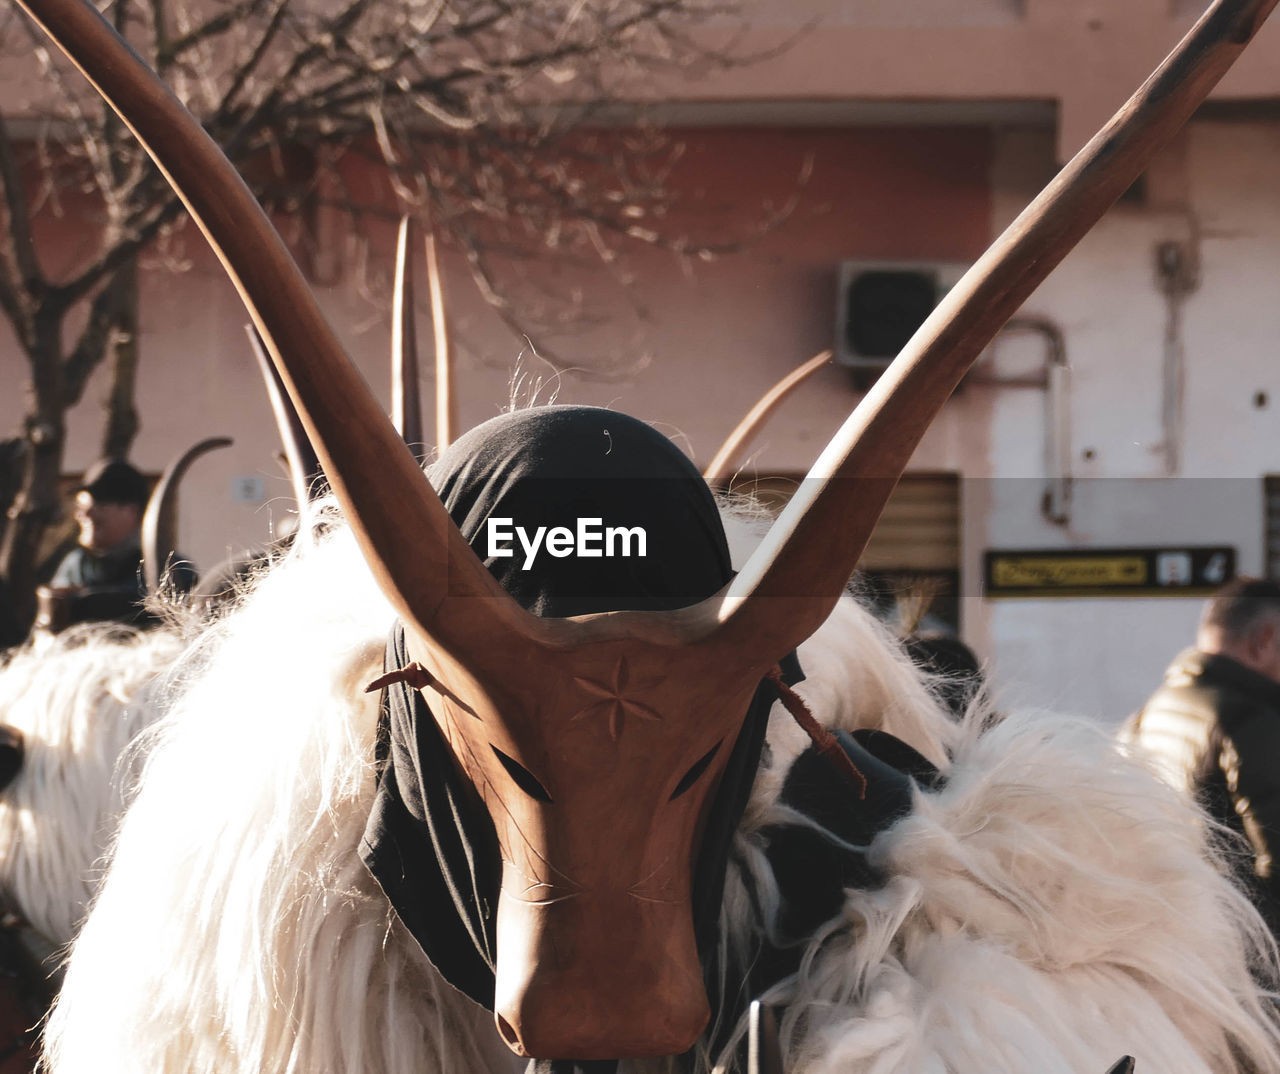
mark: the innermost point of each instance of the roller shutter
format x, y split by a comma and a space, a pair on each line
915, 547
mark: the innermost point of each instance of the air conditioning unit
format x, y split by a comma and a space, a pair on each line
880, 305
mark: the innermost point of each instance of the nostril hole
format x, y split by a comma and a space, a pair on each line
508, 1034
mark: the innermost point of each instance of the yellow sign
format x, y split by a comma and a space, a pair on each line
1109, 572
1068, 572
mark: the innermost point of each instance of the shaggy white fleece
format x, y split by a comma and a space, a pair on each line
1051, 909
79, 701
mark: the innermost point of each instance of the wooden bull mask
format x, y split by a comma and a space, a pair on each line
598, 794
692, 670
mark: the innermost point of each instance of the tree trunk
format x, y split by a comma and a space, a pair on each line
36, 505
122, 415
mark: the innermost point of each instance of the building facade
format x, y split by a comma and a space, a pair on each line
1073, 494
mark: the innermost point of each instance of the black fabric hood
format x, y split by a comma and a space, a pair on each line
558, 466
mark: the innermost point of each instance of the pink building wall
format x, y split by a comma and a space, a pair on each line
1010, 88
686, 343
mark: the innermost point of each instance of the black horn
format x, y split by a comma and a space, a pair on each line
160, 520
406, 403
300, 458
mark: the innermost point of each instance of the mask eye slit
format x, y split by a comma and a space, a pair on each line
524, 779
691, 777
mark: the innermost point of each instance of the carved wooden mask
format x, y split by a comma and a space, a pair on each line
597, 783
598, 778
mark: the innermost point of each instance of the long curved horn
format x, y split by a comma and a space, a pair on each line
446, 393
160, 520
375, 477
814, 546
406, 403
304, 468
725, 463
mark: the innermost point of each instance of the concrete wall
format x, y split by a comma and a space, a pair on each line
1081, 58
1142, 481
1086, 57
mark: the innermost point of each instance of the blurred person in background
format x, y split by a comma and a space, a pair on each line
1213, 727
101, 578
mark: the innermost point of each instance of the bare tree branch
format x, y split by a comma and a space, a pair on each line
270, 108
15, 202
160, 42
13, 307
244, 71
93, 147
90, 348
218, 25
464, 103
138, 236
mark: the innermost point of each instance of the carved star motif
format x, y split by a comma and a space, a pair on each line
613, 701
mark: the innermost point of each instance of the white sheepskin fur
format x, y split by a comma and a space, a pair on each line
1050, 910
79, 700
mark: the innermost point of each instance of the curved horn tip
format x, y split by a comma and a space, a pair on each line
406, 406
724, 464
160, 519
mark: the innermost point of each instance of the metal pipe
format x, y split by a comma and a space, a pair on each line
1056, 384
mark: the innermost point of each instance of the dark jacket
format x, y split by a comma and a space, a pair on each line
1214, 726
108, 585
120, 568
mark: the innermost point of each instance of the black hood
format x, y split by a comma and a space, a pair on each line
556, 466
